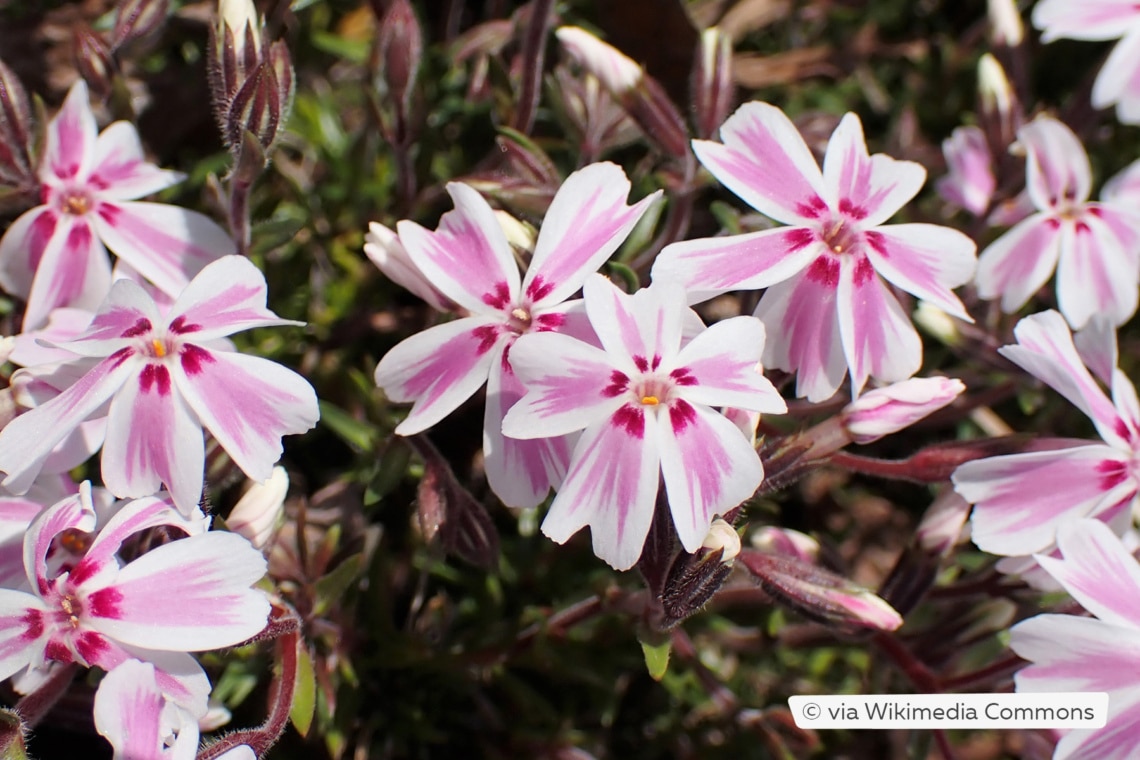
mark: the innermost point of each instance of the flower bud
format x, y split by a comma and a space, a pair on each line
401, 50
819, 594
94, 61
724, 537
256, 109
883, 411
643, 98
942, 523
1006, 27
258, 512
12, 731
15, 133
711, 85
239, 19
936, 323
383, 248
786, 543
1000, 111
970, 183
747, 421
136, 19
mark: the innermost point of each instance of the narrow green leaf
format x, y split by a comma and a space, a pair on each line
333, 586
352, 431
304, 695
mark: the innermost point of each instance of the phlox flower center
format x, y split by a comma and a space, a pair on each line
520, 320
841, 235
75, 201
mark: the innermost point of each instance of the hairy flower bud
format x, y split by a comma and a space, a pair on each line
712, 86
239, 18
786, 543
94, 61
887, 410
15, 133
401, 50
819, 594
136, 19
643, 98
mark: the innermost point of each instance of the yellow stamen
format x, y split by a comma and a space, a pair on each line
650, 400
159, 348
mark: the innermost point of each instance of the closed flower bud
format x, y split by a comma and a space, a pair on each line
724, 537
883, 411
94, 61
786, 543
712, 86
401, 50
1000, 112
614, 69
239, 18
1006, 27
136, 19
820, 594
258, 512
15, 132
942, 524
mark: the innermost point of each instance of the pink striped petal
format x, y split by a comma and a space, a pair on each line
440, 368
179, 676
383, 248
1057, 172
1086, 20
1097, 571
16, 513
1096, 347
803, 331
1119, 78
925, 260
1095, 275
467, 257
869, 189
99, 565
23, 633
189, 595
1021, 499
754, 260
166, 244
126, 313
570, 385
1115, 741
645, 326
26, 441
226, 297
247, 403
1126, 403
611, 487
74, 271
69, 147
1020, 262
1096, 655
153, 438
1123, 221
766, 162
586, 222
129, 713
709, 468
521, 473
878, 338
75, 512
970, 184
62, 325
1045, 350
722, 367
119, 170
22, 248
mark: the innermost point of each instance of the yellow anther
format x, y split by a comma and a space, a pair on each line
650, 400
159, 348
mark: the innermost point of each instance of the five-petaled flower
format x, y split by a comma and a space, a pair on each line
1095, 247
645, 402
827, 308
470, 262
1119, 79
54, 254
1020, 500
167, 377
1100, 653
189, 595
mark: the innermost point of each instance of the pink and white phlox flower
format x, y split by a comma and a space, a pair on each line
159, 380
1021, 500
1093, 246
470, 261
1119, 79
141, 723
887, 410
644, 401
1100, 653
970, 182
827, 307
56, 253
188, 595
